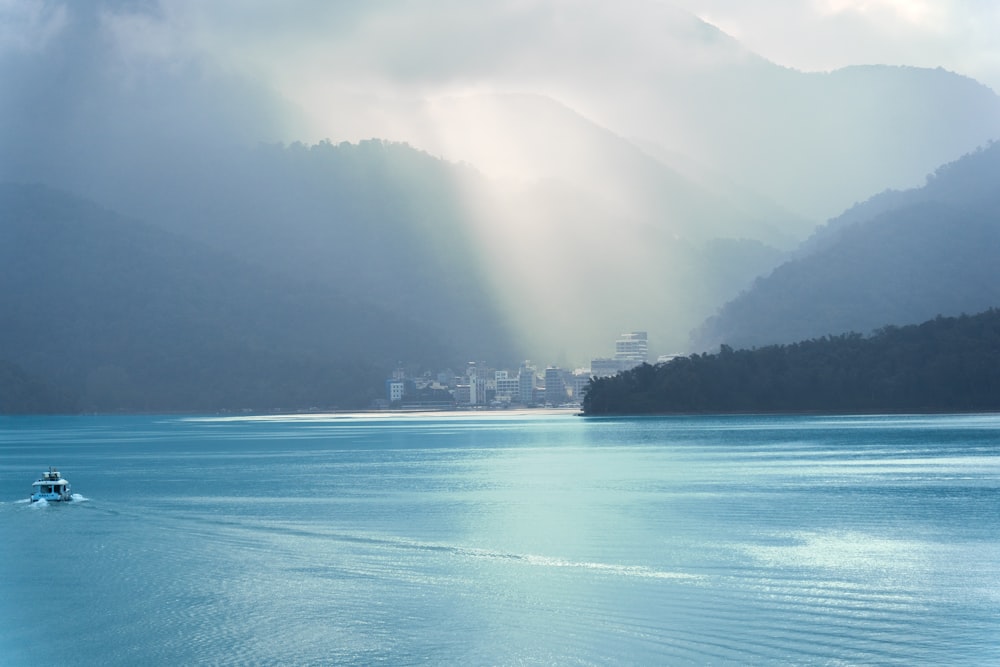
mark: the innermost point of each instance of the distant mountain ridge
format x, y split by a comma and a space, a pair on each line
379, 221
536, 140
831, 139
811, 144
900, 258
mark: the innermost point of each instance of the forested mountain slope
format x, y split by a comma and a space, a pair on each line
900, 258
112, 314
379, 221
21, 393
943, 365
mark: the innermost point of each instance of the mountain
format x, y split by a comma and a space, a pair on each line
492, 269
525, 141
20, 393
814, 143
500, 269
605, 167
819, 142
900, 258
378, 221
107, 313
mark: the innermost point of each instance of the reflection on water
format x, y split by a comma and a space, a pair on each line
504, 539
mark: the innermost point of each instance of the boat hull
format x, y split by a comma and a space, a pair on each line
50, 487
50, 497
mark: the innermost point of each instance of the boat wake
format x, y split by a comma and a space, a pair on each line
300, 531
469, 552
42, 502
640, 571
535, 560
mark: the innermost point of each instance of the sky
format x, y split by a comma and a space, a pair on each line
960, 35
326, 59
409, 44
817, 35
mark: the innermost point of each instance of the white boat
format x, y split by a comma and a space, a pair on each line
50, 486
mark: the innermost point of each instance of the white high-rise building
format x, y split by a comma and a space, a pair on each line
477, 384
526, 383
395, 389
631, 350
633, 346
507, 388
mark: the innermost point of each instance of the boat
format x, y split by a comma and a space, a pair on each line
50, 486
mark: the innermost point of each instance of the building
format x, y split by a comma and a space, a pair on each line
631, 350
526, 384
604, 367
555, 387
481, 384
461, 394
633, 347
581, 380
667, 358
507, 389
395, 389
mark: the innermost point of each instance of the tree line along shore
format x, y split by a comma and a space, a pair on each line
948, 364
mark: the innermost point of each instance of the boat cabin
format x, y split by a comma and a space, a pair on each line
50, 486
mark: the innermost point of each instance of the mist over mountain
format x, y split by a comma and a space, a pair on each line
814, 142
525, 142
107, 313
899, 258
381, 222
819, 142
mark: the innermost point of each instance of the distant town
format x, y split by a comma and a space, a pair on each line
480, 386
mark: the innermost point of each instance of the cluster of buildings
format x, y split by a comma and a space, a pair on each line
480, 386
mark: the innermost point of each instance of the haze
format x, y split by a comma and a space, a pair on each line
642, 161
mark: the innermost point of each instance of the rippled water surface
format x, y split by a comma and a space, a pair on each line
502, 539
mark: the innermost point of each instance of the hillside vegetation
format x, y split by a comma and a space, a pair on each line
377, 221
900, 258
943, 365
104, 313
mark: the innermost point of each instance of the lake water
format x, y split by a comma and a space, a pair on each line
500, 539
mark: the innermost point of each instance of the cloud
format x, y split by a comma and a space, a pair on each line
95, 90
818, 35
396, 48
28, 26
920, 14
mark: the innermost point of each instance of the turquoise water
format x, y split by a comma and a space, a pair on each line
502, 539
